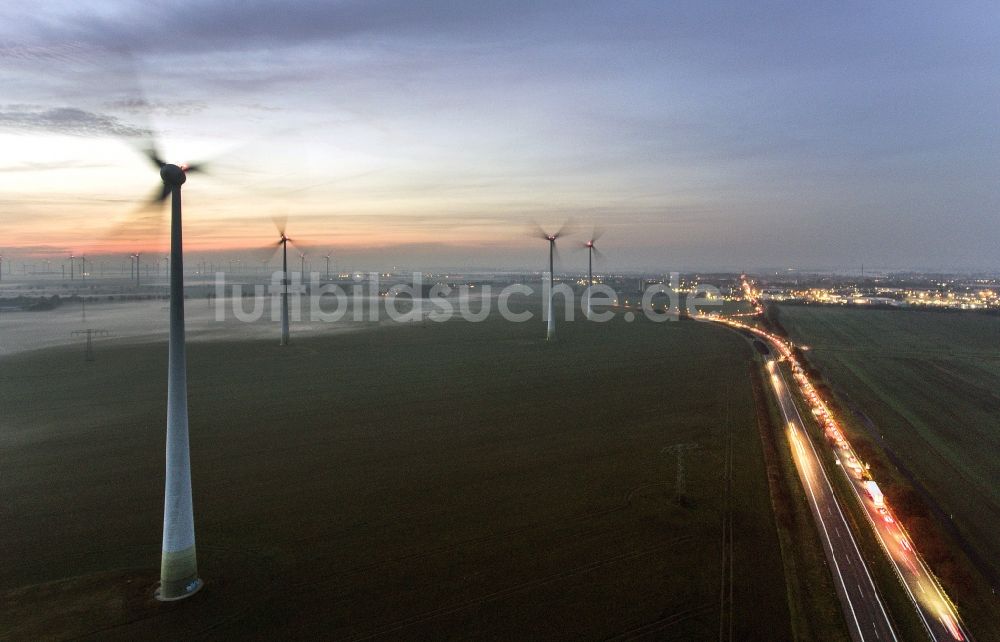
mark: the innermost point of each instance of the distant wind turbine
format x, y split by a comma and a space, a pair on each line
280, 223
550, 332
137, 257
591, 246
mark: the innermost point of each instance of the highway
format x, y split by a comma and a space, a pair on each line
864, 610
867, 618
937, 613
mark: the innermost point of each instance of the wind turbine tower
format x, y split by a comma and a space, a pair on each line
283, 242
178, 561
137, 256
591, 246
284, 292
550, 332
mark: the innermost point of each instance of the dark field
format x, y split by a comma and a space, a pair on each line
425, 481
930, 384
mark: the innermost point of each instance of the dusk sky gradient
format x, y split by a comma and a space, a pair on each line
699, 135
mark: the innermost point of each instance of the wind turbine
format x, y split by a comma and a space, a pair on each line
1, 267
283, 242
551, 238
178, 562
72, 258
591, 246
327, 257
137, 256
280, 222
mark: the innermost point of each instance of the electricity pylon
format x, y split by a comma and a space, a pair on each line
679, 450
90, 333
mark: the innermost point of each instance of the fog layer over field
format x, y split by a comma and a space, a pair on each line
141, 321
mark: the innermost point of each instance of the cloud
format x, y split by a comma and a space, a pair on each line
45, 167
199, 26
721, 131
37, 250
143, 106
67, 120
48, 52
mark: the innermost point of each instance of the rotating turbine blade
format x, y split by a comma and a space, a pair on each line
265, 254
147, 225
158, 197
596, 234
536, 230
303, 248
197, 168
566, 229
153, 155
599, 256
280, 222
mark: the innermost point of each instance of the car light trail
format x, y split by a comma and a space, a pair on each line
937, 612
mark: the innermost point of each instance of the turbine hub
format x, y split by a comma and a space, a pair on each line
173, 175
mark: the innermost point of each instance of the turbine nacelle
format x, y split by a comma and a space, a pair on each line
537, 231
173, 175
591, 244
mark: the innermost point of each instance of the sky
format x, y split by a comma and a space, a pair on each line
694, 134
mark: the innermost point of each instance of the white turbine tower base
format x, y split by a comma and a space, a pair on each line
550, 330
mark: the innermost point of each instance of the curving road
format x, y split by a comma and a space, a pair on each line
864, 610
